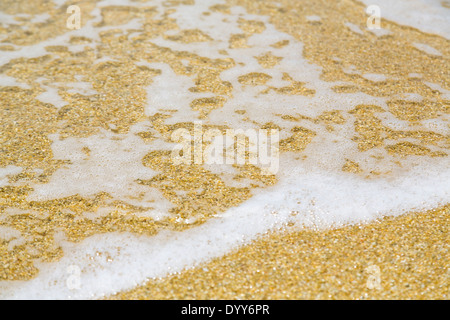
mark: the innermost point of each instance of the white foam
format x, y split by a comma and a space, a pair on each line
39, 18
380, 32
51, 96
435, 86
6, 172
81, 87
10, 234
6, 19
321, 200
111, 164
170, 91
311, 192
426, 15
415, 75
313, 18
427, 49
59, 3
7, 81
375, 77
353, 27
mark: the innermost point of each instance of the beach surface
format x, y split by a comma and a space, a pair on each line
223, 149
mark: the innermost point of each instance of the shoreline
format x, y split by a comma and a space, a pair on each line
400, 257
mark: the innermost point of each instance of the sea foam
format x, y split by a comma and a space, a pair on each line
311, 192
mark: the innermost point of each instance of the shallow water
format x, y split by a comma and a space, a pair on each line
349, 124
